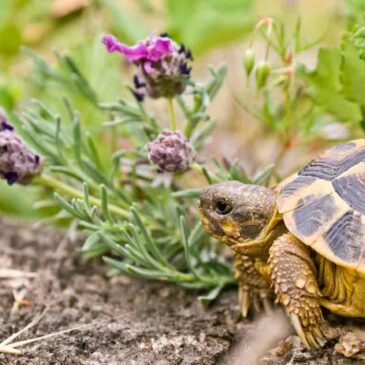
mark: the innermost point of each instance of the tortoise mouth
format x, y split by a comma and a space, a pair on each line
209, 224
204, 219
225, 229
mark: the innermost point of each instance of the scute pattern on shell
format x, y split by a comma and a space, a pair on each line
324, 204
313, 213
351, 189
344, 237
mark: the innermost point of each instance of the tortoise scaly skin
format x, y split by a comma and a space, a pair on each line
305, 239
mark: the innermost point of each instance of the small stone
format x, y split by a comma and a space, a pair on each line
348, 345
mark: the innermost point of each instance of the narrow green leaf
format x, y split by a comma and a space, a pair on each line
86, 195
66, 171
93, 247
185, 242
104, 204
67, 206
263, 175
80, 80
212, 295
188, 193
116, 264
196, 234
149, 240
77, 141
218, 78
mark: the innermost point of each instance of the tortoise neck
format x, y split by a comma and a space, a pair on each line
260, 246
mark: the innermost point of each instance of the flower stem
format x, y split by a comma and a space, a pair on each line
288, 127
189, 128
59, 186
211, 178
114, 138
172, 114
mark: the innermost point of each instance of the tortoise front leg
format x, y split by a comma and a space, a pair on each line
294, 278
254, 291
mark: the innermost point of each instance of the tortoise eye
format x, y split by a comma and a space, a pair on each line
222, 207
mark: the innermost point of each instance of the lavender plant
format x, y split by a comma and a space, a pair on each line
135, 204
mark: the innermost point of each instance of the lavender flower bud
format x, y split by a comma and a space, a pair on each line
18, 164
171, 152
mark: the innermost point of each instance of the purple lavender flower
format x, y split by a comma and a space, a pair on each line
18, 164
152, 49
162, 65
171, 152
4, 124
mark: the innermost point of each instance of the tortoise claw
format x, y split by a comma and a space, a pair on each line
268, 307
311, 337
259, 301
321, 338
244, 301
299, 329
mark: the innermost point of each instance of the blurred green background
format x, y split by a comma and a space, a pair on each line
217, 31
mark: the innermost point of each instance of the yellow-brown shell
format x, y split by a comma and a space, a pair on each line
324, 204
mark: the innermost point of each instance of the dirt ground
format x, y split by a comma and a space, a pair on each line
138, 322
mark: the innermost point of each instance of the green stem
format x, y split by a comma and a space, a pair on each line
189, 128
195, 166
172, 114
288, 132
211, 176
114, 139
59, 186
267, 49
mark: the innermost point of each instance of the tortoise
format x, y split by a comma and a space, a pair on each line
302, 241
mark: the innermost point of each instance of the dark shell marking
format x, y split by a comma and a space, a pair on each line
313, 213
297, 184
345, 237
328, 167
351, 188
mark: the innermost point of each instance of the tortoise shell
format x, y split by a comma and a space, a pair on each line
323, 205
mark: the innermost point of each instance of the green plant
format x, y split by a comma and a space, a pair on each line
144, 221
298, 104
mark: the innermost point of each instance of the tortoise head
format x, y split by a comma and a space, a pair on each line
234, 212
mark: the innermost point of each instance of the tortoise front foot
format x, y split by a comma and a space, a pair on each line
294, 278
311, 335
254, 292
257, 299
